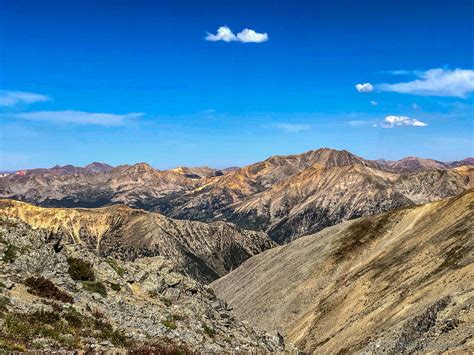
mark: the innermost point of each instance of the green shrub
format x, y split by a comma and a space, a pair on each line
113, 263
80, 270
10, 254
73, 317
46, 317
10, 346
208, 330
43, 287
4, 302
169, 323
96, 287
167, 302
178, 317
115, 287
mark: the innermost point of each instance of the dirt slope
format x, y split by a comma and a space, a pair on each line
394, 282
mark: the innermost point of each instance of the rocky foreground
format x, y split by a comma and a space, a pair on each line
62, 296
397, 282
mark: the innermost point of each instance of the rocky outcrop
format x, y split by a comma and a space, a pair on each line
397, 282
200, 250
67, 298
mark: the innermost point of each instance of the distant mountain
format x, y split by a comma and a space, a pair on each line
99, 167
414, 164
290, 196
399, 282
198, 173
285, 196
467, 161
200, 250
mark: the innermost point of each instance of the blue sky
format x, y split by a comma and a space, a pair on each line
129, 81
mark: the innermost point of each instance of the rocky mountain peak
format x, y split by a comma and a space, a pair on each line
98, 167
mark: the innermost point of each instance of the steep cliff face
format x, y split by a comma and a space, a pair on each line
394, 282
203, 251
70, 299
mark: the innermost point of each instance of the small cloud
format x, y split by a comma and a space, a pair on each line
13, 98
247, 35
399, 121
436, 82
75, 117
374, 103
415, 106
292, 127
250, 36
224, 33
364, 87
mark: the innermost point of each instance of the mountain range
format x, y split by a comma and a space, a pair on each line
320, 252
284, 196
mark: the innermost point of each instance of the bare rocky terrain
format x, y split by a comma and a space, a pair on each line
284, 196
64, 297
201, 250
396, 282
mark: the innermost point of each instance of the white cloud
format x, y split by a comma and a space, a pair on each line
374, 103
75, 117
292, 127
436, 82
225, 34
12, 98
364, 87
398, 121
250, 36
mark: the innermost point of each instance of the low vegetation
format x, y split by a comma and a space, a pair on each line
4, 302
95, 287
43, 287
208, 330
169, 323
64, 328
166, 301
115, 287
80, 270
114, 265
10, 253
163, 347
